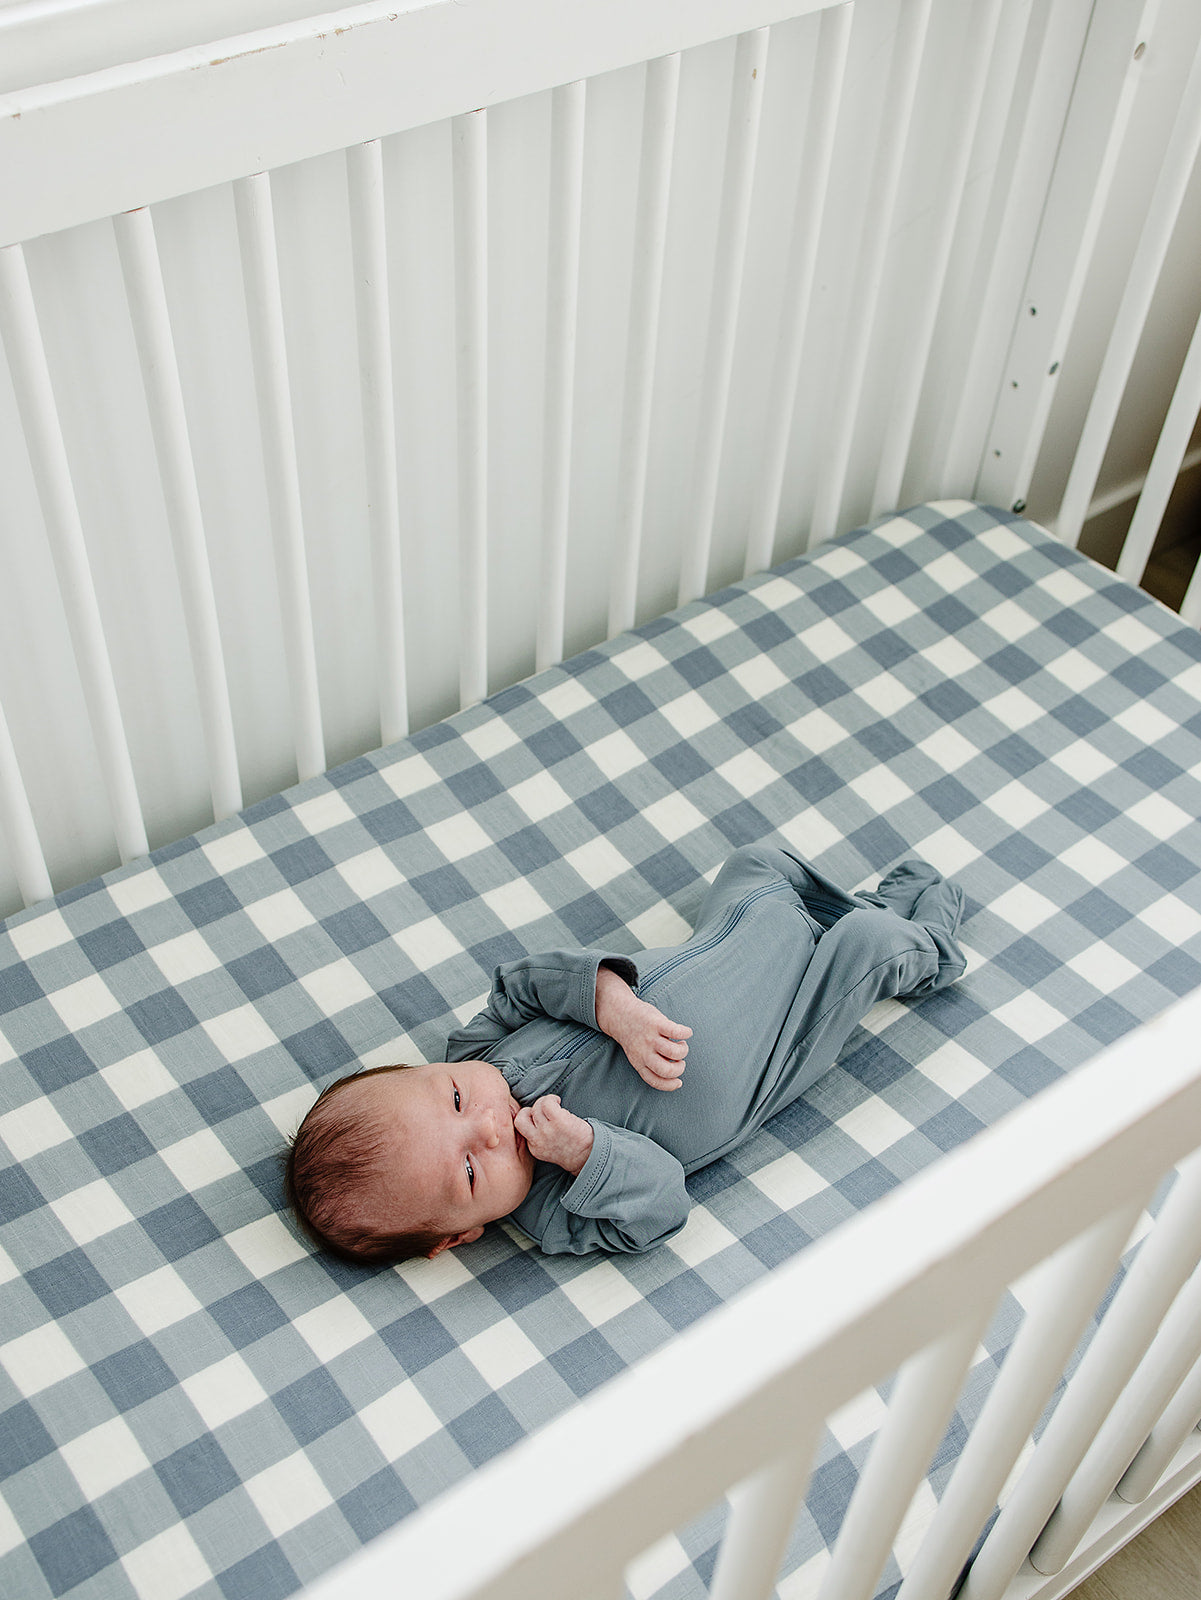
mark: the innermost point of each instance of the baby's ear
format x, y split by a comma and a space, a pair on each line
452, 1239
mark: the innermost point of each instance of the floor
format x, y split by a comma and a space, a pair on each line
1163, 1563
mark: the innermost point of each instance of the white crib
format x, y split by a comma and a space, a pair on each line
641, 298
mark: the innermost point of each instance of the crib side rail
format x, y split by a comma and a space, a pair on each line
737, 1402
73, 150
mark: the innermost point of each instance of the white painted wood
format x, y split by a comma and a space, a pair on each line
742, 140
1115, 1526
1164, 1260
913, 21
1174, 1350
1190, 606
365, 177
980, 232
48, 39
562, 303
470, 145
1005, 254
20, 830
264, 310
1181, 1416
808, 215
667, 1437
64, 532
763, 1509
1165, 465
164, 399
258, 100
1061, 1294
926, 1390
1174, 175
898, 435
650, 237
1110, 74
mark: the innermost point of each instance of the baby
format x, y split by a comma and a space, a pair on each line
592, 1083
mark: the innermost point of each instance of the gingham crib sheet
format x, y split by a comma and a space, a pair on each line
192, 1402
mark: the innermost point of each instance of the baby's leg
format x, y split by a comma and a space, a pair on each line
755, 866
870, 954
916, 889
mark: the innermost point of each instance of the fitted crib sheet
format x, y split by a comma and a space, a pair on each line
195, 1403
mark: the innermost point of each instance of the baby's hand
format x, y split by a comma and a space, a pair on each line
555, 1134
654, 1044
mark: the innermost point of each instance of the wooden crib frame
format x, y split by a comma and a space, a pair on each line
735, 1404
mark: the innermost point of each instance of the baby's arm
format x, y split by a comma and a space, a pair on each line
628, 1195
652, 1043
557, 983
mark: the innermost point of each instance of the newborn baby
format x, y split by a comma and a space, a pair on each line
592, 1083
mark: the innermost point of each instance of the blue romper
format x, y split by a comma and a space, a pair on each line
782, 966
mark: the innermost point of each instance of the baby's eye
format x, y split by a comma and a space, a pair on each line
458, 1103
470, 1175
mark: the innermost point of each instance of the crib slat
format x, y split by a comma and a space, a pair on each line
650, 239
147, 299
1190, 606
911, 368
16, 820
1064, 1291
469, 144
1174, 1350
1181, 1415
365, 180
869, 274
52, 477
264, 308
763, 1509
1165, 1258
742, 141
1179, 160
563, 281
1165, 464
926, 1390
808, 212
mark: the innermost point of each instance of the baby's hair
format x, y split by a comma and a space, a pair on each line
332, 1158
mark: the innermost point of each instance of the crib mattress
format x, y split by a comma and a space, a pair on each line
195, 1403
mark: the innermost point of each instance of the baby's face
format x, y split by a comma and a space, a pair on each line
453, 1160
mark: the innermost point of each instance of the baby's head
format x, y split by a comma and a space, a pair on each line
394, 1162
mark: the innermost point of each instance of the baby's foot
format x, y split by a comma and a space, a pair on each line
940, 906
900, 889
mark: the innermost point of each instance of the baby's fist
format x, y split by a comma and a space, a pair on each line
555, 1134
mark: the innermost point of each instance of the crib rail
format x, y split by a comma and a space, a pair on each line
736, 1404
308, 357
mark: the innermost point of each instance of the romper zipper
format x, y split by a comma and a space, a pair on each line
730, 921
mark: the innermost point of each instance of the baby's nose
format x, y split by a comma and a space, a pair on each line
491, 1134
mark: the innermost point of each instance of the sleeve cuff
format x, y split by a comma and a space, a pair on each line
594, 1171
621, 965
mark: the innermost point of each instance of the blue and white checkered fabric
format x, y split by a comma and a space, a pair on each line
192, 1402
